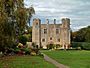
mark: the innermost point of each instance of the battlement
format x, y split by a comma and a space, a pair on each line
67, 20
63, 20
36, 19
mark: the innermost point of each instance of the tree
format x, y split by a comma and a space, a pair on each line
13, 17
5, 25
31, 11
83, 35
87, 36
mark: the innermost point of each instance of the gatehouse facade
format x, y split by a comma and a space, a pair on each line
44, 34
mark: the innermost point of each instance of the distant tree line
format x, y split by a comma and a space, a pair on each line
82, 35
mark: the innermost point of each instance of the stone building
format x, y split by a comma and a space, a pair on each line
44, 34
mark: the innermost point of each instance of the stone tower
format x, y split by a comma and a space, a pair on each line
36, 34
65, 32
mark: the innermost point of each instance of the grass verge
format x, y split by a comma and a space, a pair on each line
73, 59
24, 62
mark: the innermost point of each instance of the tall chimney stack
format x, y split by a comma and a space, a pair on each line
47, 21
54, 21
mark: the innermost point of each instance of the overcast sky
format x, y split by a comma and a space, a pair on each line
77, 10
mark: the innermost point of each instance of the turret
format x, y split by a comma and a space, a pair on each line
36, 22
66, 22
36, 35
65, 32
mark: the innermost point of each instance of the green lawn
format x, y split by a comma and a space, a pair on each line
73, 59
25, 62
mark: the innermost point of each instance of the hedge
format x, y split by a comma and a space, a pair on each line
86, 46
83, 45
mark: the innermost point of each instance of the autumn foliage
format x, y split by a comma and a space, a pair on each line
14, 18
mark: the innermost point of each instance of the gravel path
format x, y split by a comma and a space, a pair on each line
58, 65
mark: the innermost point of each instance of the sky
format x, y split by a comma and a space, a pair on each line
77, 10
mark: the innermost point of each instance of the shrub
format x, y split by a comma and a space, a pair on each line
82, 45
35, 50
76, 44
33, 54
50, 46
86, 46
16, 50
28, 36
57, 45
27, 51
34, 45
22, 39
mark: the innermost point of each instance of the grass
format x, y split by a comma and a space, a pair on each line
73, 59
24, 62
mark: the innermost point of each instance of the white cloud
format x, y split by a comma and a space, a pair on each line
77, 27
77, 10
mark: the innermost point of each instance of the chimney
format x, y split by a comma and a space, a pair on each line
54, 21
47, 21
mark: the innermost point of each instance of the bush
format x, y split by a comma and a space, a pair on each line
28, 36
33, 53
86, 46
76, 44
50, 46
27, 51
23, 39
57, 46
81, 45
16, 50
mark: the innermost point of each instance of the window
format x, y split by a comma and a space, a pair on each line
50, 38
36, 23
43, 40
45, 31
58, 40
36, 26
37, 46
57, 31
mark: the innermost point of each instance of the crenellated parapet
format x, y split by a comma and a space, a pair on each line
66, 22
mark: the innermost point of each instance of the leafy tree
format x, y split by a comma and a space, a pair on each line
31, 11
13, 18
83, 35
87, 36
